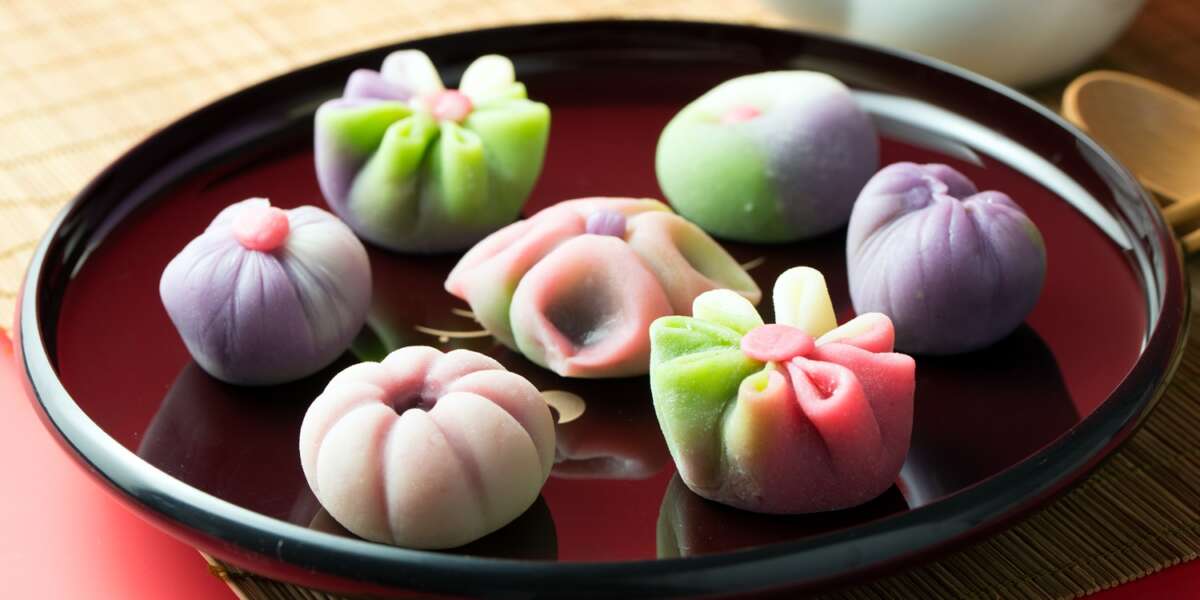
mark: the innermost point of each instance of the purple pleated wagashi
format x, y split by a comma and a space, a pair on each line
956, 269
265, 295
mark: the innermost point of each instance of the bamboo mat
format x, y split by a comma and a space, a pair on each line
81, 81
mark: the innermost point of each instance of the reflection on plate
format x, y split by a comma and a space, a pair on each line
215, 436
611, 440
689, 525
984, 396
530, 536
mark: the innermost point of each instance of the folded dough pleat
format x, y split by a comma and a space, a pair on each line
456, 172
888, 381
487, 275
833, 401
384, 195
686, 260
512, 131
347, 132
584, 309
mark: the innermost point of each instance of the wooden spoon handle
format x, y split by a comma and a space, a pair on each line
1183, 217
1181, 213
1190, 242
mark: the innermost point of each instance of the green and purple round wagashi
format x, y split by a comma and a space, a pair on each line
770, 157
415, 167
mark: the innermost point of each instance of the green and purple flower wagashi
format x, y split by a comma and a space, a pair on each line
795, 417
415, 167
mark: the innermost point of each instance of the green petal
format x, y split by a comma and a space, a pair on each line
676, 336
359, 129
385, 192
457, 177
691, 394
514, 135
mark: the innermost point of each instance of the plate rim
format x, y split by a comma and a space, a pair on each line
230, 530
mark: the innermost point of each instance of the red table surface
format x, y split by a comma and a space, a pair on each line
63, 536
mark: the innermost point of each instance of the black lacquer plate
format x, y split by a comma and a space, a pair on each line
996, 433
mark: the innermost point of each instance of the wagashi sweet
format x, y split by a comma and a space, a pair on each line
266, 295
427, 449
415, 167
956, 269
575, 287
769, 157
793, 417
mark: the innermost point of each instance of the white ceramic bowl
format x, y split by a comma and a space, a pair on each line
1018, 42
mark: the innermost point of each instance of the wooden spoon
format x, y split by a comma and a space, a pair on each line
1151, 128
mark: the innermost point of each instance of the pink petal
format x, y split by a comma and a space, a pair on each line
517, 245
872, 332
834, 402
776, 343
584, 310
888, 381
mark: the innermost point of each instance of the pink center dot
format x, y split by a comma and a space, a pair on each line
776, 343
739, 114
261, 228
450, 105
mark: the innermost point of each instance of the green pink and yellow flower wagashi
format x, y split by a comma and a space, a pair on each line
798, 416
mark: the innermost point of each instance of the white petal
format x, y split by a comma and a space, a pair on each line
486, 75
413, 70
802, 301
728, 308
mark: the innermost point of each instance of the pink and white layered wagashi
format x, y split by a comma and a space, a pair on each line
796, 417
425, 449
575, 287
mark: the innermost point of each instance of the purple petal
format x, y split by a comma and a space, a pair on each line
606, 222
365, 83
